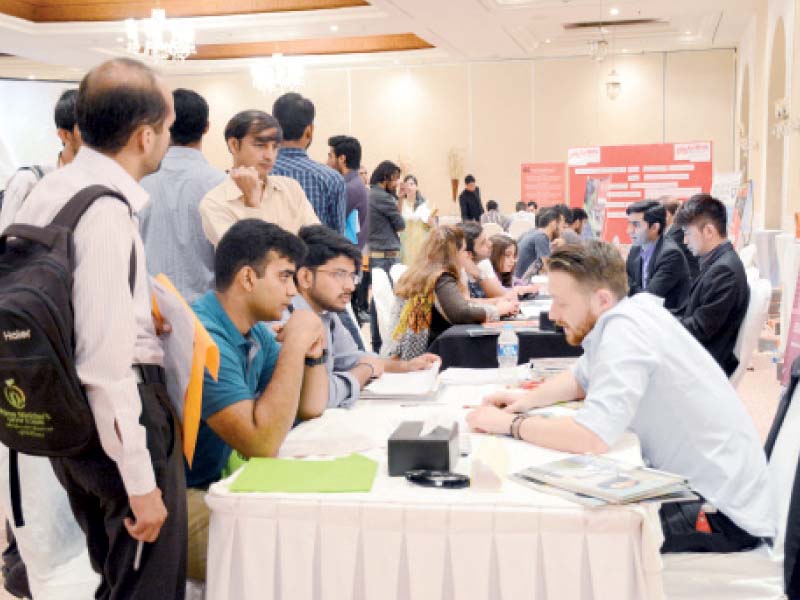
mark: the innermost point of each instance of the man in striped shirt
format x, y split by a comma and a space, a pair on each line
323, 186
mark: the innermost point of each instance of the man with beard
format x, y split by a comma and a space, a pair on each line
325, 282
641, 370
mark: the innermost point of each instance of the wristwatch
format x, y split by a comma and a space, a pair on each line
321, 360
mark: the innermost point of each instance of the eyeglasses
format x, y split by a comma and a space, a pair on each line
341, 275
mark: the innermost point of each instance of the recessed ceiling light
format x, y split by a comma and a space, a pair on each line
614, 11
624, 50
687, 32
396, 61
31, 76
547, 41
334, 28
120, 40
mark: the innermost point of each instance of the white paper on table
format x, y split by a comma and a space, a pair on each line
463, 376
444, 419
335, 433
534, 308
405, 384
178, 345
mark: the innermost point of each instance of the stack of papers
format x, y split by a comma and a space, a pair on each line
354, 473
599, 480
416, 385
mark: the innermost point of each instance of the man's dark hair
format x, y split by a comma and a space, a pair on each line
251, 122
469, 179
578, 214
492, 205
533, 204
116, 98
348, 146
519, 206
65, 110
191, 117
671, 205
654, 212
546, 216
564, 211
324, 244
472, 231
593, 265
701, 209
248, 243
294, 113
384, 172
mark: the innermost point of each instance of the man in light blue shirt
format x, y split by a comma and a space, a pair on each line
326, 281
173, 236
641, 370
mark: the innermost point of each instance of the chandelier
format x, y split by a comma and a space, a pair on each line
598, 49
277, 74
163, 40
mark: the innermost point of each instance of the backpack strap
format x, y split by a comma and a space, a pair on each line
13, 488
73, 210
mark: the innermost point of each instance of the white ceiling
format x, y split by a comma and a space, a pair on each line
461, 30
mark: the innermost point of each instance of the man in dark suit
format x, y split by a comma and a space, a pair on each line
676, 233
719, 296
655, 264
470, 200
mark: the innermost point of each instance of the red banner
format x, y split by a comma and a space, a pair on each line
544, 183
604, 180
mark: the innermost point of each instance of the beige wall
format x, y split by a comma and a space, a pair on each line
499, 115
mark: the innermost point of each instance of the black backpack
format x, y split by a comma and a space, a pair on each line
43, 408
37, 171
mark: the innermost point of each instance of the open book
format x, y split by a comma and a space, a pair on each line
604, 481
400, 386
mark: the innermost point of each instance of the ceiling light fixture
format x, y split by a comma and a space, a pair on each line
687, 32
547, 41
163, 40
598, 49
613, 85
277, 74
334, 28
614, 12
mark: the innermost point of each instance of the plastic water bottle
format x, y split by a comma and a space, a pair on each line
507, 351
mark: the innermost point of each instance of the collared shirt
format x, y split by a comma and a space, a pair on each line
494, 216
643, 371
357, 200
646, 254
533, 245
385, 220
17, 189
323, 186
343, 354
113, 330
170, 224
246, 364
282, 202
524, 215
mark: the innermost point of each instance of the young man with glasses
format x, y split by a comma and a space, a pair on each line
325, 283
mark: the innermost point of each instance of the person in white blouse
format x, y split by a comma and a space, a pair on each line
129, 488
419, 219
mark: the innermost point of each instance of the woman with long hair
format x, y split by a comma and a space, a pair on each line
431, 295
419, 219
504, 259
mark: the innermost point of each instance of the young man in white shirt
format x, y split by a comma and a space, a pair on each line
641, 370
23, 180
127, 489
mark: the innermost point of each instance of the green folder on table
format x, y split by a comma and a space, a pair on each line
354, 473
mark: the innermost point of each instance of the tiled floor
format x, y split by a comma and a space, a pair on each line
759, 392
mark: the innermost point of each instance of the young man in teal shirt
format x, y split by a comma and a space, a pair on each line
266, 381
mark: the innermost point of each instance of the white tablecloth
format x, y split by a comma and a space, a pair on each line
402, 541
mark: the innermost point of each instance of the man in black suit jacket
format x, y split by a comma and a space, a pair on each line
719, 296
655, 264
470, 201
676, 233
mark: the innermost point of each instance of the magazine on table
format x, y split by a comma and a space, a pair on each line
589, 479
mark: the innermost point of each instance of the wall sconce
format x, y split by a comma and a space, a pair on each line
784, 123
746, 145
613, 85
